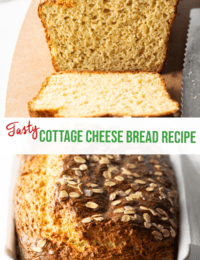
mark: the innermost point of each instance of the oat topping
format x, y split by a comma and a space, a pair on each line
126, 185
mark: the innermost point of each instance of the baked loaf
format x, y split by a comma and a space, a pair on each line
108, 35
97, 207
98, 94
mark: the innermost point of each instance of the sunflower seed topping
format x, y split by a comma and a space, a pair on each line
135, 175
166, 233
92, 185
63, 194
79, 159
37, 249
173, 223
88, 193
126, 172
107, 175
144, 208
104, 160
173, 232
161, 211
119, 210
74, 195
92, 205
153, 185
67, 177
153, 212
97, 190
128, 191
113, 196
171, 201
83, 167
131, 166
121, 193
78, 173
129, 208
126, 218
97, 215
158, 173
113, 170
147, 225
150, 189
140, 159
129, 212
79, 187
136, 217
95, 158
164, 218
157, 235
116, 202
135, 186
151, 180
140, 181
63, 181
110, 183
109, 156
157, 166
92, 164
99, 218
146, 217
72, 182
119, 178
41, 243
87, 220
135, 195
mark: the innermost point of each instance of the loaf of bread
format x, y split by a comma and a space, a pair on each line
108, 35
99, 94
89, 207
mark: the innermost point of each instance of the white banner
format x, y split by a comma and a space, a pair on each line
100, 135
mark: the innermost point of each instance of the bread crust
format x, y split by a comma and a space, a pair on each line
131, 239
69, 4
54, 113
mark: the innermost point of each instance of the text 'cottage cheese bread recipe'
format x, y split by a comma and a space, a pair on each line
87, 207
108, 35
98, 94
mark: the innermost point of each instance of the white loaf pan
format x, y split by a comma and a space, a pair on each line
187, 234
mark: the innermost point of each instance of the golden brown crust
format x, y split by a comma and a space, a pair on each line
54, 113
69, 4
129, 240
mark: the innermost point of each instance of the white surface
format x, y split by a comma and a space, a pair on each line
24, 143
12, 14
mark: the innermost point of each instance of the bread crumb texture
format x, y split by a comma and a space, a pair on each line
108, 35
103, 94
56, 216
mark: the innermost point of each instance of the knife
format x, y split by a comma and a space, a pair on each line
191, 71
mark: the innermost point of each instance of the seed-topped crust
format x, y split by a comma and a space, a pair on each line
107, 216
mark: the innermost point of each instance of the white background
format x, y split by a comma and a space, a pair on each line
25, 144
12, 14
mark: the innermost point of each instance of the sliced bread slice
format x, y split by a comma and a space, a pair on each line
101, 94
105, 35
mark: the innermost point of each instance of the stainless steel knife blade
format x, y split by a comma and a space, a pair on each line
191, 71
